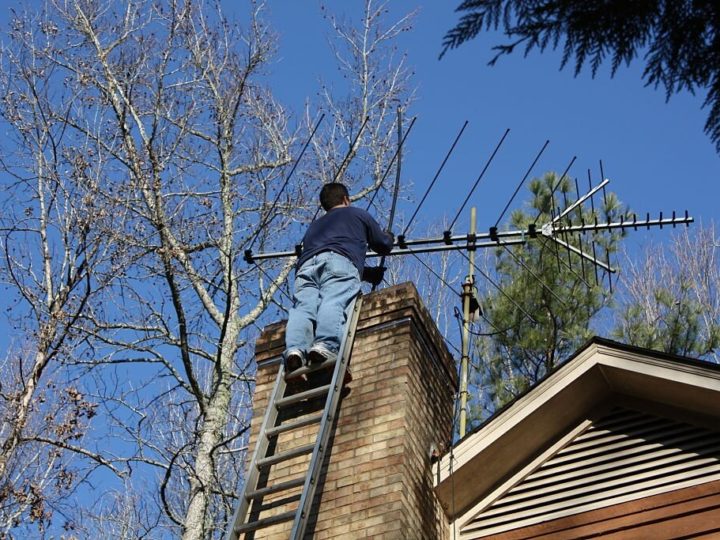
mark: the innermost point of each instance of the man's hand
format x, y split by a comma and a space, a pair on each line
373, 274
391, 235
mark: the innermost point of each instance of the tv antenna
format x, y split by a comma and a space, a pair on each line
564, 230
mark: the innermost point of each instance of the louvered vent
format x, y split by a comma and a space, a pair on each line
623, 456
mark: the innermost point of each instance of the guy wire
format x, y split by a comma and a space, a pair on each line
518, 306
272, 280
537, 278
442, 280
433, 272
498, 331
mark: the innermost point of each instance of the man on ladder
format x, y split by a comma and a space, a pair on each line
328, 276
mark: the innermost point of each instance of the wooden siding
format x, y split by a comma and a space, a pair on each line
624, 455
685, 513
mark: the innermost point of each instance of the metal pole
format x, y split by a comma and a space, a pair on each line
397, 183
465, 360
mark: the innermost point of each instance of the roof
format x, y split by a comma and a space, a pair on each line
602, 371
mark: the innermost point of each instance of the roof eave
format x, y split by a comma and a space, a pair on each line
554, 405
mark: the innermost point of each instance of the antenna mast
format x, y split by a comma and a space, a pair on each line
467, 295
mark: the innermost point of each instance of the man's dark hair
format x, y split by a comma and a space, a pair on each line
332, 194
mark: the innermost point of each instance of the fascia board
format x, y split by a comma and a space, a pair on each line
530, 402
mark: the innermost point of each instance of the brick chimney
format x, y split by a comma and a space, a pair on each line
376, 479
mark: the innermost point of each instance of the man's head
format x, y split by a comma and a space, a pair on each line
334, 194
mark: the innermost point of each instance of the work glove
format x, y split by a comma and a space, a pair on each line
373, 274
391, 235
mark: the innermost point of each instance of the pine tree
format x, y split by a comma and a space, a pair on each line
547, 297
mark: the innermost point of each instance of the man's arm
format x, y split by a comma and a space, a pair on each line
379, 241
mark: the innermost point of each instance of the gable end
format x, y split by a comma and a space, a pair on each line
621, 455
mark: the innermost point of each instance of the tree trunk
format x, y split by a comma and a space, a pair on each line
197, 518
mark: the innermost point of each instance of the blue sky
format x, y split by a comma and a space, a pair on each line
655, 153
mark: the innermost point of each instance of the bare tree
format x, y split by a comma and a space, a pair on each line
200, 148
122, 515
437, 277
375, 83
185, 156
42, 470
55, 233
670, 298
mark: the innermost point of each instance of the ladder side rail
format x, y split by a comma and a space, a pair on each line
261, 446
331, 405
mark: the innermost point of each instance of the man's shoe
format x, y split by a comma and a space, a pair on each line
293, 361
319, 354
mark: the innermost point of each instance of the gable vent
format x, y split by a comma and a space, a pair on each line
625, 455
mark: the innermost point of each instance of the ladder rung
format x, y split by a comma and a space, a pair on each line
289, 426
282, 486
265, 522
301, 396
289, 454
332, 395
312, 368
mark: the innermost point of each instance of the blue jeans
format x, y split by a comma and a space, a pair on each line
324, 287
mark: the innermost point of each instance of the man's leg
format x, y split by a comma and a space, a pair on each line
339, 284
302, 316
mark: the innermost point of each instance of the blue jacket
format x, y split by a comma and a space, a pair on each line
348, 231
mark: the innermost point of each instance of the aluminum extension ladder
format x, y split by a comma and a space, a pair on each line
247, 514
